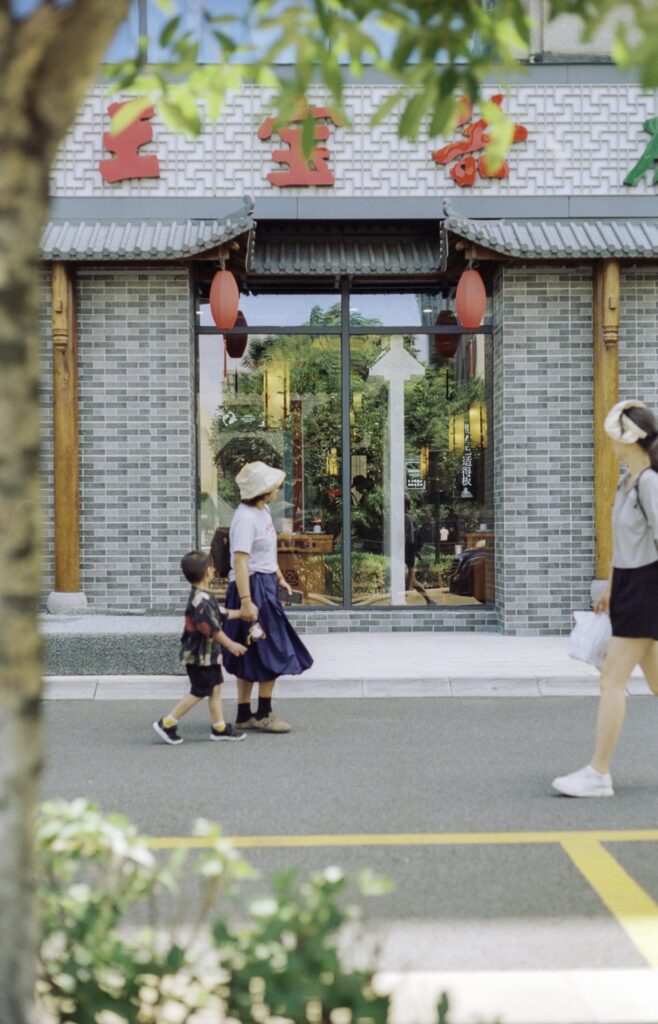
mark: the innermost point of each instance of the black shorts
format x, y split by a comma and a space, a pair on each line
204, 679
634, 602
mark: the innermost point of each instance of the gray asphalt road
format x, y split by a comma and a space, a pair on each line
398, 766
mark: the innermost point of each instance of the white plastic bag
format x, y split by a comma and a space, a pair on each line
590, 638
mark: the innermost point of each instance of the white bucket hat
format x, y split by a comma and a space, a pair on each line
620, 427
256, 478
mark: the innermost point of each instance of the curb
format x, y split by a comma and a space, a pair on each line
138, 687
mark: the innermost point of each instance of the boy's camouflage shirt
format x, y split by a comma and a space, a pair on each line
203, 617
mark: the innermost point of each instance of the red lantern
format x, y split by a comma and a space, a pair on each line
237, 343
446, 344
224, 299
471, 299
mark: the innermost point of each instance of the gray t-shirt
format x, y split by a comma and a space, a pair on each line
252, 531
635, 534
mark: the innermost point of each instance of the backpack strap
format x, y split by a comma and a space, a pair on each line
636, 488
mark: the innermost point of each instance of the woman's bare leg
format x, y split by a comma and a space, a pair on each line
649, 666
623, 655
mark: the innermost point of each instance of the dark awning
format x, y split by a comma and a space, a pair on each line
321, 249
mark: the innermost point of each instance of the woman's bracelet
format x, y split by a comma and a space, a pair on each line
247, 598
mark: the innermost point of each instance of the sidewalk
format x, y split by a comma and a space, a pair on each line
388, 665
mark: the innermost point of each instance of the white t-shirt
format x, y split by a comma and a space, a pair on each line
252, 531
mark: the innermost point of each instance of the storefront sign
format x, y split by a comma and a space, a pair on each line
467, 463
415, 479
649, 158
301, 170
128, 162
466, 167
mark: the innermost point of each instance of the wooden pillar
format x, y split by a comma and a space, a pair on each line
66, 438
606, 309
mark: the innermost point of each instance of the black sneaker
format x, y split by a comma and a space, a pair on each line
229, 732
169, 735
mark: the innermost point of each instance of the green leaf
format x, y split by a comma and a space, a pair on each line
177, 119
169, 31
165, 5
412, 115
129, 112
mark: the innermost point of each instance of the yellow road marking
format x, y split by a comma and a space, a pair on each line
408, 839
632, 907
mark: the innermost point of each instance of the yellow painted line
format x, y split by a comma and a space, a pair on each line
632, 907
408, 839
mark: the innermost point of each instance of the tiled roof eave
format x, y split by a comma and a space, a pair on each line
121, 240
560, 239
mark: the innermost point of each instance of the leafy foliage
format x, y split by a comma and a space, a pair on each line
432, 52
194, 960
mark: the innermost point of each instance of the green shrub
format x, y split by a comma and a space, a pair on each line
131, 938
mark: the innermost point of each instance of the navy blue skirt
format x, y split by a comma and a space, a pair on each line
280, 652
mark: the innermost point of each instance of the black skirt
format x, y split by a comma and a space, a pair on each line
634, 602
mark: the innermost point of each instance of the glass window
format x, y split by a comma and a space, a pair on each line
125, 44
277, 398
285, 310
421, 495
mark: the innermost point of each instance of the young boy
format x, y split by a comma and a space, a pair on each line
201, 654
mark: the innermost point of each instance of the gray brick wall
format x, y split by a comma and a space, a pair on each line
543, 446
137, 450
638, 335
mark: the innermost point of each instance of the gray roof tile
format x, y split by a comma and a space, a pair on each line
361, 249
138, 240
560, 239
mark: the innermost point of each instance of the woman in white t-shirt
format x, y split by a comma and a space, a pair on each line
631, 597
254, 579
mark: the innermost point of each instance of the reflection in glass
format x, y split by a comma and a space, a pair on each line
446, 494
279, 402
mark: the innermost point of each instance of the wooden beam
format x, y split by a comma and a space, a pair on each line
67, 445
606, 314
475, 251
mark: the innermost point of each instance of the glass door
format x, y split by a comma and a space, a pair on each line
421, 471
277, 400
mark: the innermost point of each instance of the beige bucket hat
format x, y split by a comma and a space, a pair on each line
256, 478
620, 427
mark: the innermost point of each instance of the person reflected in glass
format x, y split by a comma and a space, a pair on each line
273, 648
631, 596
411, 583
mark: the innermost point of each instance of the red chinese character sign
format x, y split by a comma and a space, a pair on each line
128, 162
301, 171
476, 137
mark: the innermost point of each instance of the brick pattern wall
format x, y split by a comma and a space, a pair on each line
137, 449
583, 139
469, 619
638, 335
543, 446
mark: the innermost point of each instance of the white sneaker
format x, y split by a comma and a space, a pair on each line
585, 782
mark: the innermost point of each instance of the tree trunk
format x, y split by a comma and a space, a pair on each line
21, 215
47, 62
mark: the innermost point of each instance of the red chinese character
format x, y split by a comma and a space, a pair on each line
476, 139
128, 162
301, 170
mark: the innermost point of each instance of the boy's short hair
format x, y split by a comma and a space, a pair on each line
195, 565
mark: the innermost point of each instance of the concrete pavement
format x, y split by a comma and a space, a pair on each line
392, 665
499, 894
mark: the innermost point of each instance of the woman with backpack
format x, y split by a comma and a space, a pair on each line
631, 597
